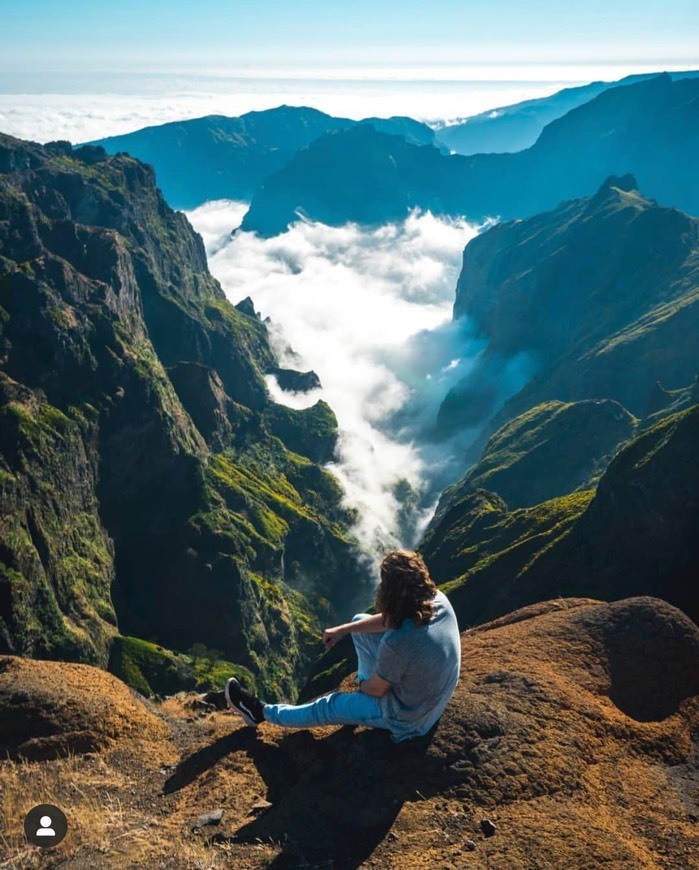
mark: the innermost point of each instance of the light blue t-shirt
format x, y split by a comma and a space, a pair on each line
422, 664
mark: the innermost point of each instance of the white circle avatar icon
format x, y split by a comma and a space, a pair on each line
45, 830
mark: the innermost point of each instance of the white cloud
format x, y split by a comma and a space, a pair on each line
81, 117
370, 311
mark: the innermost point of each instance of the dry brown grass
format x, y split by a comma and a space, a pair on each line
105, 828
88, 791
541, 736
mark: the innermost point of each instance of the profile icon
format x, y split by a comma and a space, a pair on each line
45, 830
45, 826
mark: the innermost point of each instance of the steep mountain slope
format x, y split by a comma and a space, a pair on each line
650, 129
516, 127
552, 450
636, 534
573, 730
601, 294
227, 158
142, 482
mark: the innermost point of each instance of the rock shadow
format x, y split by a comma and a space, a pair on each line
333, 799
652, 652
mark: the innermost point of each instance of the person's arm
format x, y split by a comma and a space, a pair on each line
375, 686
365, 625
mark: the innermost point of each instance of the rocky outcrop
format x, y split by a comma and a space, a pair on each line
571, 717
296, 382
50, 710
311, 432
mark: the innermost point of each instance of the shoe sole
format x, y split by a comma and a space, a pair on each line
240, 707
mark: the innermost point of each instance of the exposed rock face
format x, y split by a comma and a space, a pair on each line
228, 158
143, 480
573, 731
360, 174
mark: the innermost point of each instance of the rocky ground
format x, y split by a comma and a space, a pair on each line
571, 742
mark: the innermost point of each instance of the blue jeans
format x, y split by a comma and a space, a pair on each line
338, 708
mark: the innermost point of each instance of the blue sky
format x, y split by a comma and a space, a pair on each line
167, 35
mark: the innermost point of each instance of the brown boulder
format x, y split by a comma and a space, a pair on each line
54, 709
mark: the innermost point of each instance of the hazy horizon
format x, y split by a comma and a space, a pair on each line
81, 107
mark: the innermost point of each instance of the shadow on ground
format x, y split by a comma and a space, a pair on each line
333, 798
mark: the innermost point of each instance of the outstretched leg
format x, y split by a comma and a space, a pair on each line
337, 708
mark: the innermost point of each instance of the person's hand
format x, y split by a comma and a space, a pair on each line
332, 635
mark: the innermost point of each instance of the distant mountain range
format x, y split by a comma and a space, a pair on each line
516, 127
360, 174
217, 157
227, 158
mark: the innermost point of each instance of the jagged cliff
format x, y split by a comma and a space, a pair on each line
144, 488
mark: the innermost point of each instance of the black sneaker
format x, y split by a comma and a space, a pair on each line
249, 707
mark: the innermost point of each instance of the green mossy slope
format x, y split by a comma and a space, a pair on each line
549, 451
636, 534
146, 477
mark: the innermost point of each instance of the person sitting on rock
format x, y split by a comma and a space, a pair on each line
409, 657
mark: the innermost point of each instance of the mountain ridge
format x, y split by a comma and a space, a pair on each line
517, 127
221, 157
649, 129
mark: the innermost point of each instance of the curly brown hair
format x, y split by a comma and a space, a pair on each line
406, 589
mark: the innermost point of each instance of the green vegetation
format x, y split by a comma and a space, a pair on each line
312, 432
148, 668
154, 489
552, 449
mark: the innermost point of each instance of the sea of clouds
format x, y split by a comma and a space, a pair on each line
370, 311
80, 110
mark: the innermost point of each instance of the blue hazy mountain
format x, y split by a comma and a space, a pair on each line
602, 291
217, 157
650, 129
516, 127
